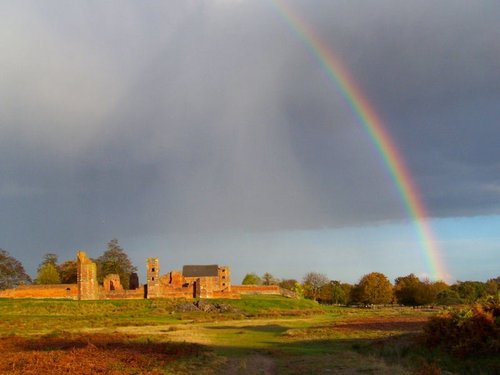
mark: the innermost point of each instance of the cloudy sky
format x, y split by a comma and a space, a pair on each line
207, 132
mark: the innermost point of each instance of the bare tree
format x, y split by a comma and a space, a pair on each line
313, 281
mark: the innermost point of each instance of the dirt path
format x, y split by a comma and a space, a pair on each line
255, 364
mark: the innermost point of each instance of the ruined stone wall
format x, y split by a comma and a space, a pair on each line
226, 294
88, 289
42, 291
207, 286
112, 283
123, 294
257, 289
264, 289
173, 279
171, 285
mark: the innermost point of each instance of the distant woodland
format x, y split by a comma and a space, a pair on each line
372, 289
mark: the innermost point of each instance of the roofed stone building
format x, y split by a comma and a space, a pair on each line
195, 281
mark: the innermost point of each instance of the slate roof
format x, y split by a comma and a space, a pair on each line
200, 271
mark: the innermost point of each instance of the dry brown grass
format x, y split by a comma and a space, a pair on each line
402, 324
364, 327
91, 354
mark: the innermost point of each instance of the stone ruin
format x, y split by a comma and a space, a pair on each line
194, 281
86, 277
207, 281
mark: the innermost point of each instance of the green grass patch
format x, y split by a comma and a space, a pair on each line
291, 336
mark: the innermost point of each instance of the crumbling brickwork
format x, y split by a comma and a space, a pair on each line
111, 283
88, 288
42, 291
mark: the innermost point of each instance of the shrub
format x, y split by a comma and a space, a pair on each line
465, 332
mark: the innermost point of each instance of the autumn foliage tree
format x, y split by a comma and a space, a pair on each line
12, 272
411, 291
373, 289
67, 271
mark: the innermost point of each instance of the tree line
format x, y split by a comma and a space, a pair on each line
373, 288
376, 289
113, 260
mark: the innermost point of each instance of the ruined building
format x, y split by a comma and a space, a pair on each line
195, 281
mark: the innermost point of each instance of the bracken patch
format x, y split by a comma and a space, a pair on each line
96, 354
467, 332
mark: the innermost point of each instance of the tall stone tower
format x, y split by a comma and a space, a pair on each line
224, 274
153, 277
86, 277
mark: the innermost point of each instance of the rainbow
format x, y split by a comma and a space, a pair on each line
378, 134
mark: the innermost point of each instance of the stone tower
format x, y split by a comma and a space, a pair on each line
153, 278
86, 276
224, 278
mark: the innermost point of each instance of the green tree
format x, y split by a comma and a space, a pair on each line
67, 271
312, 283
115, 261
373, 289
298, 289
438, 287
333, 293
427, 292
449, 297
406, 289
49, 258
12, 272
470, 291
252, 279
45, 272
48, 274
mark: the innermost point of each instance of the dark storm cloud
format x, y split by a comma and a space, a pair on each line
431, 70
131, 118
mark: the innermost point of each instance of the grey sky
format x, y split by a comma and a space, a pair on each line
138, 119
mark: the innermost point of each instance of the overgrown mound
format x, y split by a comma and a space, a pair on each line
466, 332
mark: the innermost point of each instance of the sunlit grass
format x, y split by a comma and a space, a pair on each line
291, 336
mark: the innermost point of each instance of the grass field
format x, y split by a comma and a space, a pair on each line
254, 335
